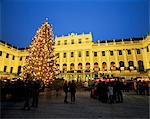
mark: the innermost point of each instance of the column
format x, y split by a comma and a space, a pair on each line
107, 59
76, 60
134, 58
91, 60
116, 58
125, 58
83, 59
99, 60
68, 61
61, 61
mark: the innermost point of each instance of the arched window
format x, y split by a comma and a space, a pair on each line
87, 67
121, 63
87, 63
80, 66
112, 63
96, 67
131, 63
95, 63
72, 66
64, 64
64, 67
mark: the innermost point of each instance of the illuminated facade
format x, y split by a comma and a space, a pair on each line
80, 58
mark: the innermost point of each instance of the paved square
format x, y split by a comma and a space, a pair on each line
50, 106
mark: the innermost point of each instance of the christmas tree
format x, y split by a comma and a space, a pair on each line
41, 62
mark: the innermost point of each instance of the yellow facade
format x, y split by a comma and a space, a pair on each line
80, 57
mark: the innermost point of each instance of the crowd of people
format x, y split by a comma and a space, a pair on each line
106, 91
21, 90
110, 92
142, 87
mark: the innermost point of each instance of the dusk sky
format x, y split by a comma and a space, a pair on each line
106, 19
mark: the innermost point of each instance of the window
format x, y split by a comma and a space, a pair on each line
58, 43
79, 41
20, 58
111, 53
79, 54
131, 63
0, 53
120, 52
138, 51
129, 52
64, 55
11, 69
65, 42
13, 58
72, 54
147, 49
103, 53
5, 68
7, 55
87, 53
121, 63
95, 54
72, 41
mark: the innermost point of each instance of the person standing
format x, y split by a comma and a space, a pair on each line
73, 91
35, 93
27, 91
110, 93
65, 88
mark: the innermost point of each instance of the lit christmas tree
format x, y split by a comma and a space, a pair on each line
41, 62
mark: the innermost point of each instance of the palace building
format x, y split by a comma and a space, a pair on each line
80, 58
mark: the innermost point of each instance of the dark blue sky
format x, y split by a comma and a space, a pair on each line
106, 19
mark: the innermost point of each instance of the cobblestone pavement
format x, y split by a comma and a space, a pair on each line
50, 106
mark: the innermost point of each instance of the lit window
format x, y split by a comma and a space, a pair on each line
87, 53
138, 51
72, 54
103, 53
129, 52
11, 69
120, 52
65, 42
111, 53
13, 58
95, 54
64, 55
5, 68
7, 55
79, 54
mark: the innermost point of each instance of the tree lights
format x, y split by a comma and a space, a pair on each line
41, 62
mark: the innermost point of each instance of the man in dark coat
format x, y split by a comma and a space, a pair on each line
65, 88
73, 91
35, 93
27, 87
